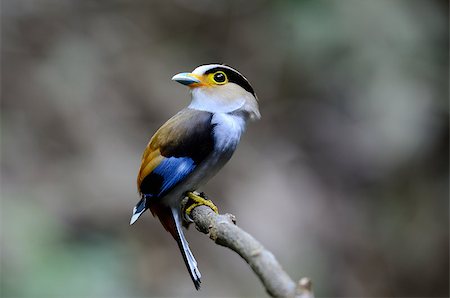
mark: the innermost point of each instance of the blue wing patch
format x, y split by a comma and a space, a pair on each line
167, 174
173, 170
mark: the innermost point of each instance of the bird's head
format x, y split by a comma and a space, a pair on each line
219, 88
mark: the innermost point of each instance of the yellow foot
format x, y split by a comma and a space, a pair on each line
199, 199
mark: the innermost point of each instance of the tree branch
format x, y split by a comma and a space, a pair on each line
222, 230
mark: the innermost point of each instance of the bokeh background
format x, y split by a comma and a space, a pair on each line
344, 179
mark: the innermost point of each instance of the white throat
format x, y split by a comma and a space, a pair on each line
215, 103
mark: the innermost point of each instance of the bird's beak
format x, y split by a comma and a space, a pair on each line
188, 79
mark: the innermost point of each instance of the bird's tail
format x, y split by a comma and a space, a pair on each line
171, 220
139, 209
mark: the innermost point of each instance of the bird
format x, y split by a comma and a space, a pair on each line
192, 146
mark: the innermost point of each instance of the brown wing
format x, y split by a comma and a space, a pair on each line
186, 137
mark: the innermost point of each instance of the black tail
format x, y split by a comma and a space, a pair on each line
171, 220
139, 209
188, 257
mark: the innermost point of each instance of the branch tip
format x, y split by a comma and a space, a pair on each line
222, 229
304, 288
305, 284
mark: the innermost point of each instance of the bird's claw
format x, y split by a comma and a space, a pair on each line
197, 199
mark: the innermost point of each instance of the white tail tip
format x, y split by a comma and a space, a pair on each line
135, 216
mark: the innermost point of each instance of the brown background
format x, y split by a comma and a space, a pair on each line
345, 178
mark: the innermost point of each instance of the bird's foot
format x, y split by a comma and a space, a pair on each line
196, 199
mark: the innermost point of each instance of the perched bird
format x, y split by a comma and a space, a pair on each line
192, 146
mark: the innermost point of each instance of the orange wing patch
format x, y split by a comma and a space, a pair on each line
152, 154
150, 160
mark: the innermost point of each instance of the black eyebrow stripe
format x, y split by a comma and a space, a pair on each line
234, 77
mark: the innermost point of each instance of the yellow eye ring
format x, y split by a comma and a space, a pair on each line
219, 78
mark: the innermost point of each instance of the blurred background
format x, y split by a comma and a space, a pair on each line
344, 179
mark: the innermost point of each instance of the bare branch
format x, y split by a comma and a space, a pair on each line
222, 230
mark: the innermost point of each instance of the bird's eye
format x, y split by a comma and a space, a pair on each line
220, 77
